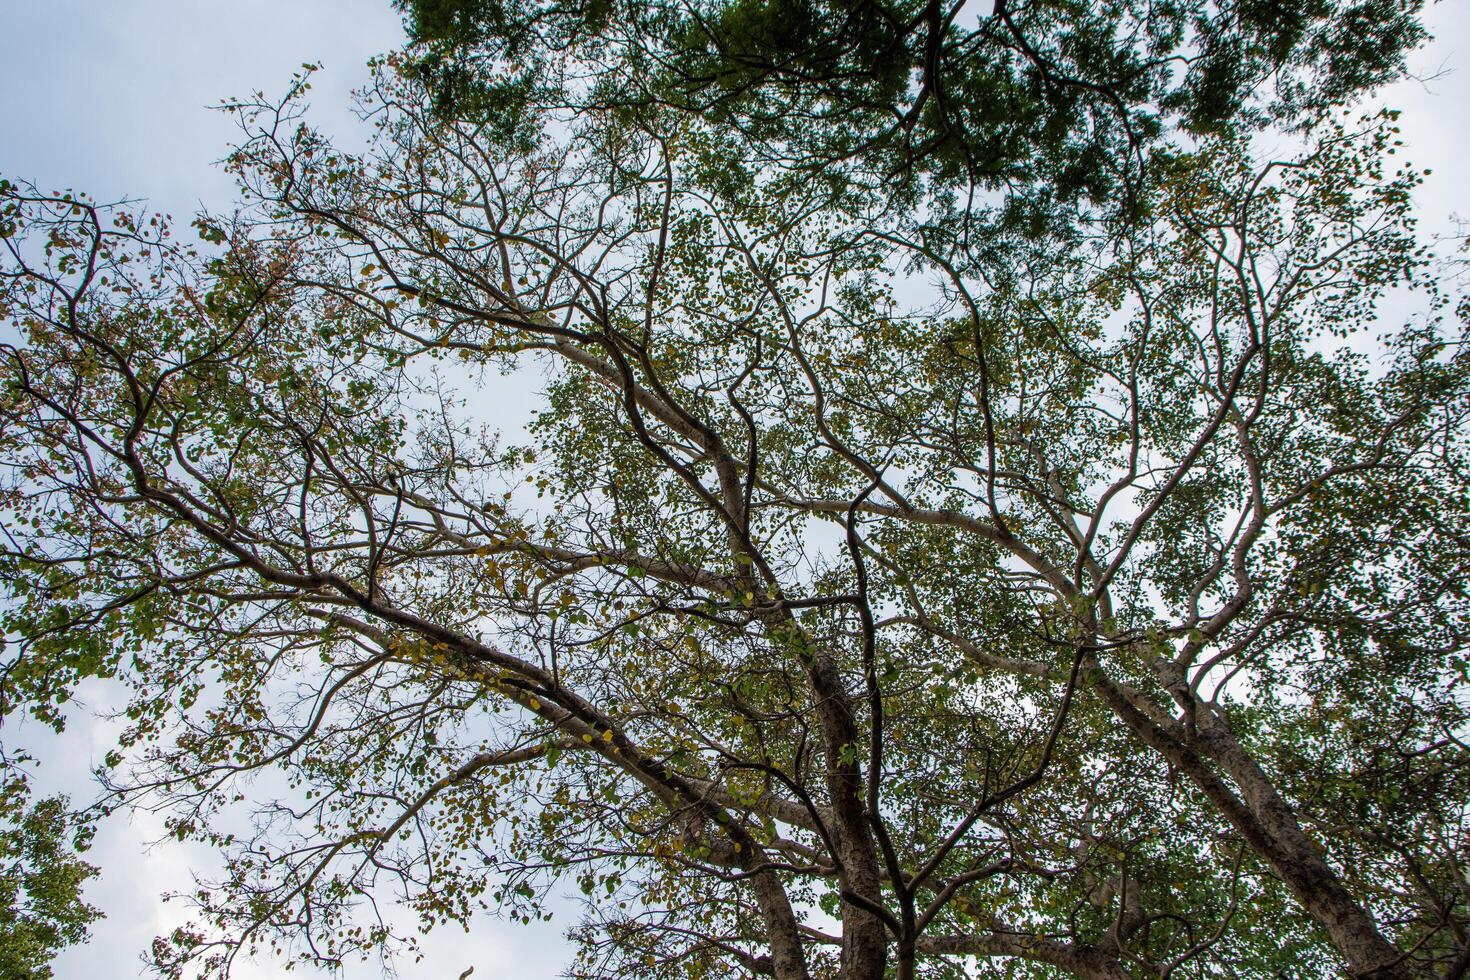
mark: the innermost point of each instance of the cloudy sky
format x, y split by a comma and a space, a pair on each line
112, 96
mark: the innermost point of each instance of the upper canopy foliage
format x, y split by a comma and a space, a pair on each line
1060, 103
886, 584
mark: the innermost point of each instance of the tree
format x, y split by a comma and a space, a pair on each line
1060, 104
41, 909
873, 595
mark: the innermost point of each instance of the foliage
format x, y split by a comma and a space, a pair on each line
1058, 103
41, 909
887, 585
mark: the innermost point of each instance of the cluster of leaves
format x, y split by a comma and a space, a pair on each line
1059, 104
41, 879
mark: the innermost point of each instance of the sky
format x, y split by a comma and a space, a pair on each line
111, 97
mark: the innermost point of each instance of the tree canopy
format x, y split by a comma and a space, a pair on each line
1055, 101
41, 879
913, 568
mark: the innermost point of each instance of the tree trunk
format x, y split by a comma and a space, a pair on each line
788, 962
1270, 828
864, 936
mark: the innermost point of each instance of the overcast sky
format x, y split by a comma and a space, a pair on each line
111, 96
